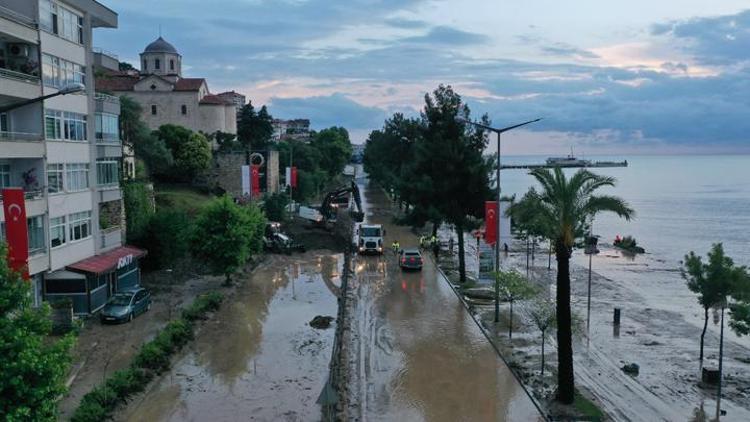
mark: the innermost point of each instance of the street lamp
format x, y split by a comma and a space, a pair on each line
71, 88
497, 238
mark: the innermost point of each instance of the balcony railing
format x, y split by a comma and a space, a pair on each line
20, 137
17, 17
107, 98
36, 193
32, 76
105, 53
111, 236
107, 138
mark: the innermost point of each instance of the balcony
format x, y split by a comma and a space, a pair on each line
21, 145
106, 103
17, 24
19, 70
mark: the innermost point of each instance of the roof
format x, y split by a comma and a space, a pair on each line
108, 261
214, 99
116, 82
189, 84
160, 46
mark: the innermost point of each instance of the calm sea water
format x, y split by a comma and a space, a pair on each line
683, 203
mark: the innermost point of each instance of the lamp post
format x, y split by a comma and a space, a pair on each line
67, 89
497, 238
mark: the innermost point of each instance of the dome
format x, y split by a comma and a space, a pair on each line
160, 46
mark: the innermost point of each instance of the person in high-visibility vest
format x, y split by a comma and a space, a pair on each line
422, 241
395, 246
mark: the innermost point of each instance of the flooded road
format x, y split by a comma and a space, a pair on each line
416, 353
257, 358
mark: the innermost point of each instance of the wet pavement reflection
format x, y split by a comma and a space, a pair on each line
257, 359
418, 353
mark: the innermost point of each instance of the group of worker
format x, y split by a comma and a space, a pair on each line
424, 243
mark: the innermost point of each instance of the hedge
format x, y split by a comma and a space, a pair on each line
151, 360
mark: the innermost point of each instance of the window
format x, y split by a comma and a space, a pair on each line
36, 234
54, 178
107, 127
107, 172
4, 122
70, 26
77, 177
48, 16
80, 225
57, 72
184, 109
67, 126
145, 65
157, 64
57, 231
171, 64
153, 110
4, 175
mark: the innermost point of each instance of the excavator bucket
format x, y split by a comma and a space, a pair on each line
357, 216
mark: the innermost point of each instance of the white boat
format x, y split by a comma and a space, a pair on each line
569, 161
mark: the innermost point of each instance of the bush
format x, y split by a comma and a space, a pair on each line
166, 238
202, 305
275, 206
153, 356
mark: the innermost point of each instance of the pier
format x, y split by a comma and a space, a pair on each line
581, 164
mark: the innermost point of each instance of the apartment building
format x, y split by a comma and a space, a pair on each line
64, 151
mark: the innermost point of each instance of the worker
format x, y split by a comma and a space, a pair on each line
433, 240
395, 246
422, 241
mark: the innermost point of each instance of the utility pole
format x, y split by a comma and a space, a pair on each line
291, 155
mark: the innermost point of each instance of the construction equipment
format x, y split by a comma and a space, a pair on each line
326, 214
277, 242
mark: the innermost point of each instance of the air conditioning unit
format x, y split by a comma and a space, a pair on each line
18, 50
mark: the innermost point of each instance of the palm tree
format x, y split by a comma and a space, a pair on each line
564, 206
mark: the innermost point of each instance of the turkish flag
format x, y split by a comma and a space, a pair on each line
490, 222
294, 177
255, 180
16, 230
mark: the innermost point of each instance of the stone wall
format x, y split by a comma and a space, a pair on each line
226, 172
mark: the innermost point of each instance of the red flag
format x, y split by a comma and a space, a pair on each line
255, 180
294, 177
490, 222
16, 230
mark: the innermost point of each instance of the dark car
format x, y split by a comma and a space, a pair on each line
124, 306
410, 259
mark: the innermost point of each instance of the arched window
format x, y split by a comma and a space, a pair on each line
184, 109
171, 64
145, 65
157, 64
153, 110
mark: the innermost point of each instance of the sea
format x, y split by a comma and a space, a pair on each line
683, 203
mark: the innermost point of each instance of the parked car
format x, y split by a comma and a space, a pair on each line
124, 306
410, 259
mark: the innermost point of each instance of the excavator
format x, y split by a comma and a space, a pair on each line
325, 215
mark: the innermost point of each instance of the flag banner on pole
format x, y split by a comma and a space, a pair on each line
16, 229
490, 221
288, 177
294, 177
245, 175
255, 180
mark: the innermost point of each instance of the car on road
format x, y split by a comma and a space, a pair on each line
126, 305
410, 259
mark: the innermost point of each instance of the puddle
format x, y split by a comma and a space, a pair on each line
258, 358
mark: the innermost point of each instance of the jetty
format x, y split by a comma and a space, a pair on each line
578, 164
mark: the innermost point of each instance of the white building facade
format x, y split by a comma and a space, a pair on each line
65, 151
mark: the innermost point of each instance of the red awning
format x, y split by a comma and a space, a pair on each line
108, 261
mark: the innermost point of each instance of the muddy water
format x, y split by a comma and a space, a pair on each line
418, 354
257, 359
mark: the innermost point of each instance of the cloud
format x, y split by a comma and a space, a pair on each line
406, 23
565, 50
326, 111
445, 35
721, 40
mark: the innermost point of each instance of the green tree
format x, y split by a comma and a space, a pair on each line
565, 205
33, 366
167, 238
542, 314
224, 236
450, 173
193, 156
274, 206
138, 210
335, 149
148, 148
125, 66
527, 221
512, 286
713, 281
254, 129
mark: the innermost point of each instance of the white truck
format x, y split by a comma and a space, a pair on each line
370, 238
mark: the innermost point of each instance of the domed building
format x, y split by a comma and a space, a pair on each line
168, 98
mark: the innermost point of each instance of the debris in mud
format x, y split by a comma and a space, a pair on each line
631, 369
321, 322
652, 343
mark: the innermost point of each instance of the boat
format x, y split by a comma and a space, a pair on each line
569, 161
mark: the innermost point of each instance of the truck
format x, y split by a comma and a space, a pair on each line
370, 238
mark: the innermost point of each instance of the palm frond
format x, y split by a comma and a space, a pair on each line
608, 203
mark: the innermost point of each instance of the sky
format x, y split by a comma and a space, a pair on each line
642, 76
